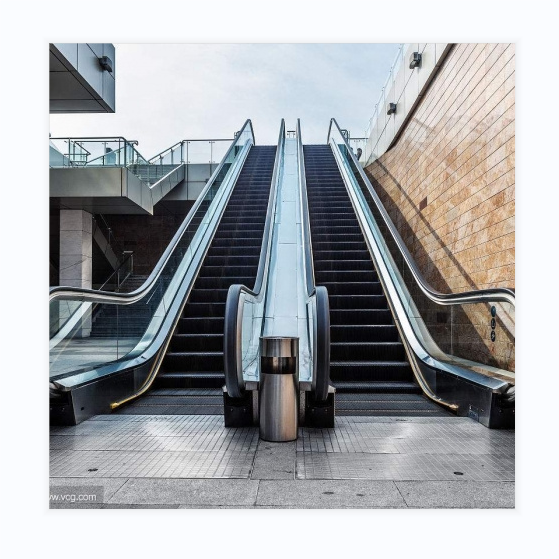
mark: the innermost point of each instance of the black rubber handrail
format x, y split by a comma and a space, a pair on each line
321, 354
232, 341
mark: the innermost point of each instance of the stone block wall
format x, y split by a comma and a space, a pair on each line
448, 184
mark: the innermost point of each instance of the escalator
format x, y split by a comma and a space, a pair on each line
158, 348
368, 363
191, 376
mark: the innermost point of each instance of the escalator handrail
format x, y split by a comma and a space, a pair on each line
96, 296
321, 365
305, 218
494, 294
232, 358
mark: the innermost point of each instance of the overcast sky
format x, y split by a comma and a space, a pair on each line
169, 92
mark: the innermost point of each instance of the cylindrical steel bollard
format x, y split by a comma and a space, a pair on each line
278, 399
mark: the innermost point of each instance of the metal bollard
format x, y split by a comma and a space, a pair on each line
278, 399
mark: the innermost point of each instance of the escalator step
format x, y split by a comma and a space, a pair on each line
197, 342
357, 302
361, 333
369, 351
190, 379
370, 387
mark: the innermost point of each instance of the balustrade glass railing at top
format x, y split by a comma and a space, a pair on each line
95, 152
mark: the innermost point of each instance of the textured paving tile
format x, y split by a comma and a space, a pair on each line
329, 494
92, 464
454, 436
152, 446
274, 461
207, 492
408, 449
403, 467
457, 494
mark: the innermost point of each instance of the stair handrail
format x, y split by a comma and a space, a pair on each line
232, 335
95, 296
318, 295
502, 294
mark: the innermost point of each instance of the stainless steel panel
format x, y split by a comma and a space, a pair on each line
278, 397
279, 346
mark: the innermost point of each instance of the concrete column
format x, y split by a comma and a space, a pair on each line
76, 241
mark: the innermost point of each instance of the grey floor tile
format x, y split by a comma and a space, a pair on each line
187, 492
457, 494
274, 461
329, 494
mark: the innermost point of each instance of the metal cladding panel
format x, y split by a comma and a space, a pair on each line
109, 94
76, 106
97, 48
87, 188
76, 77
412, 91
65, 86
55, 65
69, 52
90, 70
427, 65
109, 50
92, 182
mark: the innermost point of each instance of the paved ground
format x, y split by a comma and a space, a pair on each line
192, 461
